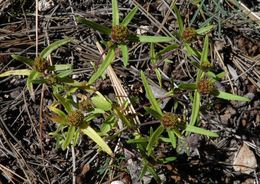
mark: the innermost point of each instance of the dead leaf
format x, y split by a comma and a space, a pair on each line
244, 160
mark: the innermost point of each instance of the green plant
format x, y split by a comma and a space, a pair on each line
57, 77
40, 71
120, 36
73, 121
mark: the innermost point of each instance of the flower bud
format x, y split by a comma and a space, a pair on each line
171, 120
119, 33
75, 118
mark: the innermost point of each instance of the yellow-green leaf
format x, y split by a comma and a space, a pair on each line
16, 72
91, 133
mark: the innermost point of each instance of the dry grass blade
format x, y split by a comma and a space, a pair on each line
254, 17
10, 174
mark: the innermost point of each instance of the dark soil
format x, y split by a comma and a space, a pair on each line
28, 154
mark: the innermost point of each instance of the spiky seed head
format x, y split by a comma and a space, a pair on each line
188, 34
75, 118
119, 33
171, 120
206, 86
40, 64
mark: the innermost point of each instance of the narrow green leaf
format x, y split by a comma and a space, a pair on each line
195, 108
168, 159
190, 86
101, 102
108, 124
29, 83
159, 76
48, 50
22, 59
205, 51
204, 30
168, 49
151, 39
150, 95
60, 67
190, 51
202, 131
25, 72
54, 109
69, 137
94, 25
143, 171
154, 174
152, 54
172, 138
123, 118
124, 50
229, 96
91, 133
137, 140
154, 139
65, 73
115, 13
153, 112
129, 16
179, 19
106, 62
64, 102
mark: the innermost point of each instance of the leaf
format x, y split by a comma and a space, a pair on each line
190, 51
159, 76
153, 112
64, 102
16, 72
101, 102
195, 108
204, 30
190, 86
150, 39
57, 119
229, 96
152, 54
69, 137
205, 51
91, 133
179, 19
108, 124
202, 131
29, 83
172, 137
129, 16
168, 159
168, 49
23, 59
54, 109
115, 13
137, 140
124, 50
94, 25
153, 139
150, 95
60, 67
106, 62
123, 118
48, 50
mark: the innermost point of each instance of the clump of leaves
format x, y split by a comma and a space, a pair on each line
73, 121
39, 66
120, 36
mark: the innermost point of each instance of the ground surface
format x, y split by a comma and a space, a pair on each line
234, 48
